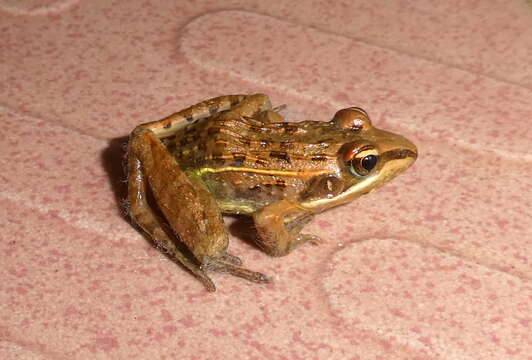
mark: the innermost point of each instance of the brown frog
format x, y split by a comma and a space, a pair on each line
236, 154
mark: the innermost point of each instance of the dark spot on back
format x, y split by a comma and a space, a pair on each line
220, 160
285, 145
189, 118
239, 159
289, 128
213, 110
168, 125
280, 183
280, 155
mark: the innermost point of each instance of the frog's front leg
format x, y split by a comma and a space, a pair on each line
189, 210
279, 225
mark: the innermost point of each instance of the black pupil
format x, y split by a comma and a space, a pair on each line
369, 162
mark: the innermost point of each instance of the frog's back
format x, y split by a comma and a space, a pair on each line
250, 143
254, 163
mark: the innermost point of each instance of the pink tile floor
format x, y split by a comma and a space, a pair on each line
436, 265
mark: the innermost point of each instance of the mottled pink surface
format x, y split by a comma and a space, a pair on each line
436, 265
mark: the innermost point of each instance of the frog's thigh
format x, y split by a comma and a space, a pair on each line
142, 213
185, 202
278, 226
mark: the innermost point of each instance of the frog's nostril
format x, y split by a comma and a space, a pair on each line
397, 154
409, 150
409, 153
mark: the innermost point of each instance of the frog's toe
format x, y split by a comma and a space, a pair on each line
204, 278
207, 282
308, 239
280, 108
230, 258
224, 267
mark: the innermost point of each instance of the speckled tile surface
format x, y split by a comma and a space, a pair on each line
435, 265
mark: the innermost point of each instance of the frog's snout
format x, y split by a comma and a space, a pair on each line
411, 148
399, 153
407, 151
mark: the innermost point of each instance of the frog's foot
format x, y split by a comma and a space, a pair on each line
311, 239
219, 265
280, 108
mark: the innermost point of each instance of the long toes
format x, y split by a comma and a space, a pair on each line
309, 239
232, 259
204, 278
224, 267
280, 108
258, 277
313, 239
207, 282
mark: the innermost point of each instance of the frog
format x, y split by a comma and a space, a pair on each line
236, 154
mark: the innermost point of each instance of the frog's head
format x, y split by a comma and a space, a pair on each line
370, 158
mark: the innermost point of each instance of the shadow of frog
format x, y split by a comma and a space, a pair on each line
114, 159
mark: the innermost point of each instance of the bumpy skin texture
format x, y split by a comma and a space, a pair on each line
235, 154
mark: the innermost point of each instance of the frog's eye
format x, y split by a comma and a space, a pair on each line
362, 161
353, 118
362, 166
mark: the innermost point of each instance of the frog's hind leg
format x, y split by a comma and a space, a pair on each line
187, 206
171, 124
152, 224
